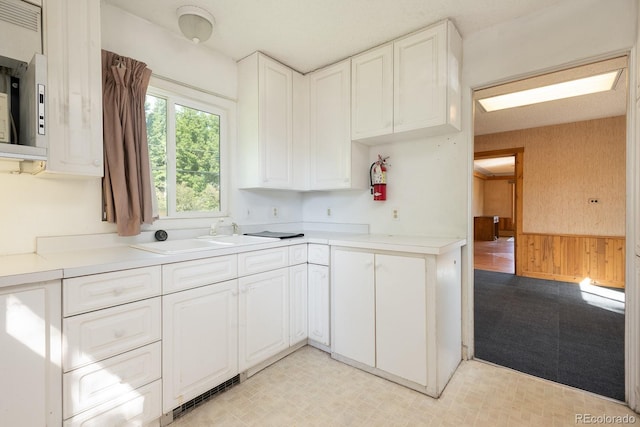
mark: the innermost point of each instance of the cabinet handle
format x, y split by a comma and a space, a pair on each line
119, 333
97, 163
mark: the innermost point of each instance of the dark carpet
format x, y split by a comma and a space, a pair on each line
553, 330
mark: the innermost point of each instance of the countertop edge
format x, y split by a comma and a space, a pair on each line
35, 268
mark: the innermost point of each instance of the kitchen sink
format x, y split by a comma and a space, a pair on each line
238, 239
179, 246
203, 243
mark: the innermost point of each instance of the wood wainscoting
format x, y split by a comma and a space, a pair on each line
572, 258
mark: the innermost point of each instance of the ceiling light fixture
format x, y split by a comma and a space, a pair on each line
584, 86
195, 23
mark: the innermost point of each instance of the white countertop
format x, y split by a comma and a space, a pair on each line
30, 268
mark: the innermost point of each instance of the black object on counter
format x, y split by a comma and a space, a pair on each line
275, 234
161, 235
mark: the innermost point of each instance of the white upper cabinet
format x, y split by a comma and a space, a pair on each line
334, 161
72, 46
412, 91
265, 112
372, 93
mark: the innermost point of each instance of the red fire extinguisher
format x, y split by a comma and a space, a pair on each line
378, 178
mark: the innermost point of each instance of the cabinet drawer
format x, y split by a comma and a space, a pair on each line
87, 293
259, 261
318, 254
191, 274
101, 382
100, 334
297, 254
139, 407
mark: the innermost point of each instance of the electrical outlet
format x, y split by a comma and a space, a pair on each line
328, 211
594, 201
395, 215
274, 212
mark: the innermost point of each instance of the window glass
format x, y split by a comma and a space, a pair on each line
185, 143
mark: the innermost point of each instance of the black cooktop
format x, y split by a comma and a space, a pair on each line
276, 234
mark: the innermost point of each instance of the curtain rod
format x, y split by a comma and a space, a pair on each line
208, 92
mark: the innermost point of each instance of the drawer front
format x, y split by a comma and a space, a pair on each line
101, 382
297, 254
101, 334
318, 254
191, 274
140, 407
259, 261
87, 293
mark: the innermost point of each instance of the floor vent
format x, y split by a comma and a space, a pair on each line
198, 400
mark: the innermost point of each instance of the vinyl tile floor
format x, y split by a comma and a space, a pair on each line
308, 388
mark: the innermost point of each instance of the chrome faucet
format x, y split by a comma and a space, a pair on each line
234, 226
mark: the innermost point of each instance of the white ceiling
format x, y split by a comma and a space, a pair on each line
309, 34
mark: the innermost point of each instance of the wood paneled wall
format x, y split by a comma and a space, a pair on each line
572, 258
565, 166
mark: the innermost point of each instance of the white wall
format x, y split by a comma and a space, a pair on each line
166, 54
426, 184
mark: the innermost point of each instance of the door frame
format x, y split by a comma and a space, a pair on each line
518, 153
632, 235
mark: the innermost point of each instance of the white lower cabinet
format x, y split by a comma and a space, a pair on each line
200, 341
400, 316
139, 407
91, 385
385, 318
298, 303
318, 304
263, 316
353, 306
111, 357
30, 344
97, 335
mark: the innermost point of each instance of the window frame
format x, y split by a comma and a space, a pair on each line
176, 93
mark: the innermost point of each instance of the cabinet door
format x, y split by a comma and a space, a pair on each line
30, 356
401, 333
275, 84
298, 303
353, 305
318, 303
200, 341
330, 130
372, 93
263, 316
420, 80
74, 108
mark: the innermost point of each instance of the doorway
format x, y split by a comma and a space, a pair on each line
542, 328
495, 209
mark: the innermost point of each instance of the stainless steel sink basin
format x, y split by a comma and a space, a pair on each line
203, 243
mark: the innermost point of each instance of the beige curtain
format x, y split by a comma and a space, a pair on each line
126, 184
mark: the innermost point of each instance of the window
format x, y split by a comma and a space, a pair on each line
187, 149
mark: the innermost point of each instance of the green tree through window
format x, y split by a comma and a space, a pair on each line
184, 151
